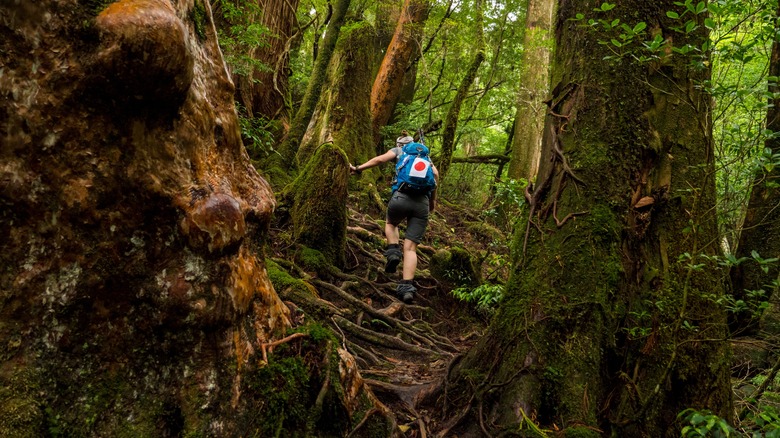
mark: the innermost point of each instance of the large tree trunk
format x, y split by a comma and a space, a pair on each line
134, 297
300, 123
761, 227
534, 86
403, 47
607, 326
342, 115
451, 121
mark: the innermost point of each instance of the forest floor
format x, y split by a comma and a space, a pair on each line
403, 351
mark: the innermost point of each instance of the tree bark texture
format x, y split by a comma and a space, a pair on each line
451, 120
761, 227
300, 123
389, 80
134, 297
534, 86
607, 327
342, 115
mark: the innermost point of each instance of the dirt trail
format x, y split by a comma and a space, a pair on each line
403, 351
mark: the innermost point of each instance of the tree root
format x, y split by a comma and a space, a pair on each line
269, 346
392, 322
316, 411
383, 340
359, 352
368, 415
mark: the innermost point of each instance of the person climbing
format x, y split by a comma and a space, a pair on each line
409, 200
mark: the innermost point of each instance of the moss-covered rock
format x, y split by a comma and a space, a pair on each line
455, 267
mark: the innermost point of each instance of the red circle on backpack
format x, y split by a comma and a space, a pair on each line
419, 166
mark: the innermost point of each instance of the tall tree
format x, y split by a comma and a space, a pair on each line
451, 120
402, 50
607, 327
300, 123
534, 86
761, 227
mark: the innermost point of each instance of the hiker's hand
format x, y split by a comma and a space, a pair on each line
354, 170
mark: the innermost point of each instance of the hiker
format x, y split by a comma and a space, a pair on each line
405, 203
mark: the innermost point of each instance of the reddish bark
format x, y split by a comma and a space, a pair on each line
404, 45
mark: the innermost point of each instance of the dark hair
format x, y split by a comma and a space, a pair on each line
404, 132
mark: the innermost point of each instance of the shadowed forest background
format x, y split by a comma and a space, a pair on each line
185, 253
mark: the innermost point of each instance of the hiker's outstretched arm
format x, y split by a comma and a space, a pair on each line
379, 159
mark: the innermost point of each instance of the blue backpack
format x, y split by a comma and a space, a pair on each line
414, 171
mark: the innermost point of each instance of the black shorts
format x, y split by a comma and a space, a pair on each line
413, 208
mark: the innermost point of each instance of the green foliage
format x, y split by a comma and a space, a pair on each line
257, 134
704, 424
241, 35
484, 297
508, 202
765, 423
199, 20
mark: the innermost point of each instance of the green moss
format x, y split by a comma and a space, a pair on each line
455, 267
318, 207
199, 20
318, 334
20, 413
282, 392
96, 6
313, 260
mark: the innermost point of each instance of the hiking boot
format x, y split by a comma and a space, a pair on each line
405, 291
393, 256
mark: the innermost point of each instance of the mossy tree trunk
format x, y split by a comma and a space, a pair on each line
761, 228
300, 122
608, 322
342, 115
389, 80
318, 200
534, 86
453, 114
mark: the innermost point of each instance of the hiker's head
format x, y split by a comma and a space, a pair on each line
404, 139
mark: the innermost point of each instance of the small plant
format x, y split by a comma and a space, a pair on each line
242, 36
485, 297
704, 424
256, 133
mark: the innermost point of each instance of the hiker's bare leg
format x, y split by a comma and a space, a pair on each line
410, 259
391, 233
